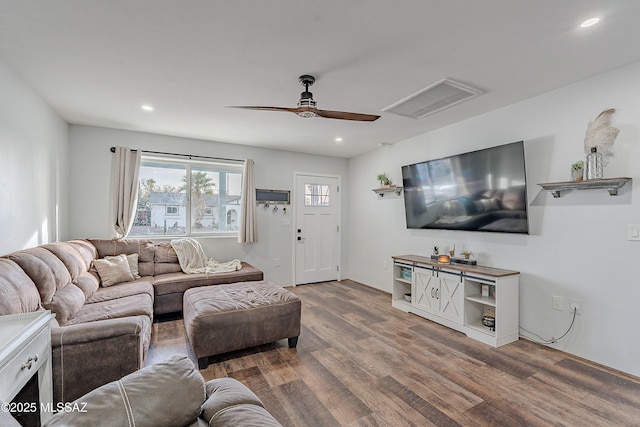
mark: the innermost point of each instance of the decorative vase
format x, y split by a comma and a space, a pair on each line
594, 164
576, 175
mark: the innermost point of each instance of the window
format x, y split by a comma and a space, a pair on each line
316, 195
187, 198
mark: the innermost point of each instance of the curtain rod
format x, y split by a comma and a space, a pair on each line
190, 156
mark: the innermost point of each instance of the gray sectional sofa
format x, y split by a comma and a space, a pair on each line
99, 334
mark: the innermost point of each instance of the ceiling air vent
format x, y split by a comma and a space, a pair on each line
436, 97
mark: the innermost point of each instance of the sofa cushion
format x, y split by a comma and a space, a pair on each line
45, 270
88, 283
179, 282
144, 248
18, 293
113, 270
169, 393
66, 303
132, 305
137, 287
86, 250
74, 262
166, 259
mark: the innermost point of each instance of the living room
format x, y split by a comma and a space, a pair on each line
56, 186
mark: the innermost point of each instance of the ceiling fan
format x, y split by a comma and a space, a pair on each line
307, 106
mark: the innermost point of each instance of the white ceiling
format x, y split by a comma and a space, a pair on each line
97, 61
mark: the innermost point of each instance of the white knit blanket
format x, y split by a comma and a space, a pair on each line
193, 259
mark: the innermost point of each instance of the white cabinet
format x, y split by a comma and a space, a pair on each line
452, 295
439, 292
502, 303
402, 285
25, 353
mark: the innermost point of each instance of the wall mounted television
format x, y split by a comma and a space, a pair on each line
484, 190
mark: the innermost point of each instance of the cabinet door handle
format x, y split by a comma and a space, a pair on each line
437, 293
432, 293
26, 365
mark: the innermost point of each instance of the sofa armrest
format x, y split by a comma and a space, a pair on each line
231, 403
95, 331
88, 355
168, 393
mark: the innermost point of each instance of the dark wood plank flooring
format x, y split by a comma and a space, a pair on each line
360, 362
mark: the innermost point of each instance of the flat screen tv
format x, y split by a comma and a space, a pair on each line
484, 190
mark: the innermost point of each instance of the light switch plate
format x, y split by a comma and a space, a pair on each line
633, 232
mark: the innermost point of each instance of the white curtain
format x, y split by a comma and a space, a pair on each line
124, 182
248, 231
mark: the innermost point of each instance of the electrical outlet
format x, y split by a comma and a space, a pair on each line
575, 304
276, 262
558, 303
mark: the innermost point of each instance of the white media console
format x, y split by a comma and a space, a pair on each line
459, 296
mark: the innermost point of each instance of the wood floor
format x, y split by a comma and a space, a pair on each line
360, 362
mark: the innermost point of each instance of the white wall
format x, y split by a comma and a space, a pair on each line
577, 247
33, 167
90, 191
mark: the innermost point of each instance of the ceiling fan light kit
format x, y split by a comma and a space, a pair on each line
307, 106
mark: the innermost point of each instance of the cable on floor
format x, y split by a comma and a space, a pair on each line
552, 340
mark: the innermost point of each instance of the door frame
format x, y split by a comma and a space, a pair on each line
294, 202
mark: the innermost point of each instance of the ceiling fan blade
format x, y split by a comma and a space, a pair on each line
250, 107
343, 115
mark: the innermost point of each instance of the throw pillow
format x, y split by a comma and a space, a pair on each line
113, 270
132, 259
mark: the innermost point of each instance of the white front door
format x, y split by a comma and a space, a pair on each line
317, 230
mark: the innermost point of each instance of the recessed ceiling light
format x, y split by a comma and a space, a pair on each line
590, 22
338, 139
147, 107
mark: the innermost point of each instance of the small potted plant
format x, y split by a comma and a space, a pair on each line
384, 180
436, 250
577, 171
452, 251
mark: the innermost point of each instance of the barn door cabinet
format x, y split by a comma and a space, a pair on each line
459, 296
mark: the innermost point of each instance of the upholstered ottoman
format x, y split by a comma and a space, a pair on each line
223, 318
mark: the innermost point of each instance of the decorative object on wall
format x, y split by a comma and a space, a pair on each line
384, 180
577, 171
272, 196
610, 184
387, 190
598, 143
594, 164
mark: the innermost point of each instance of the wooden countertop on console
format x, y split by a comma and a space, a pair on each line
478, 269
